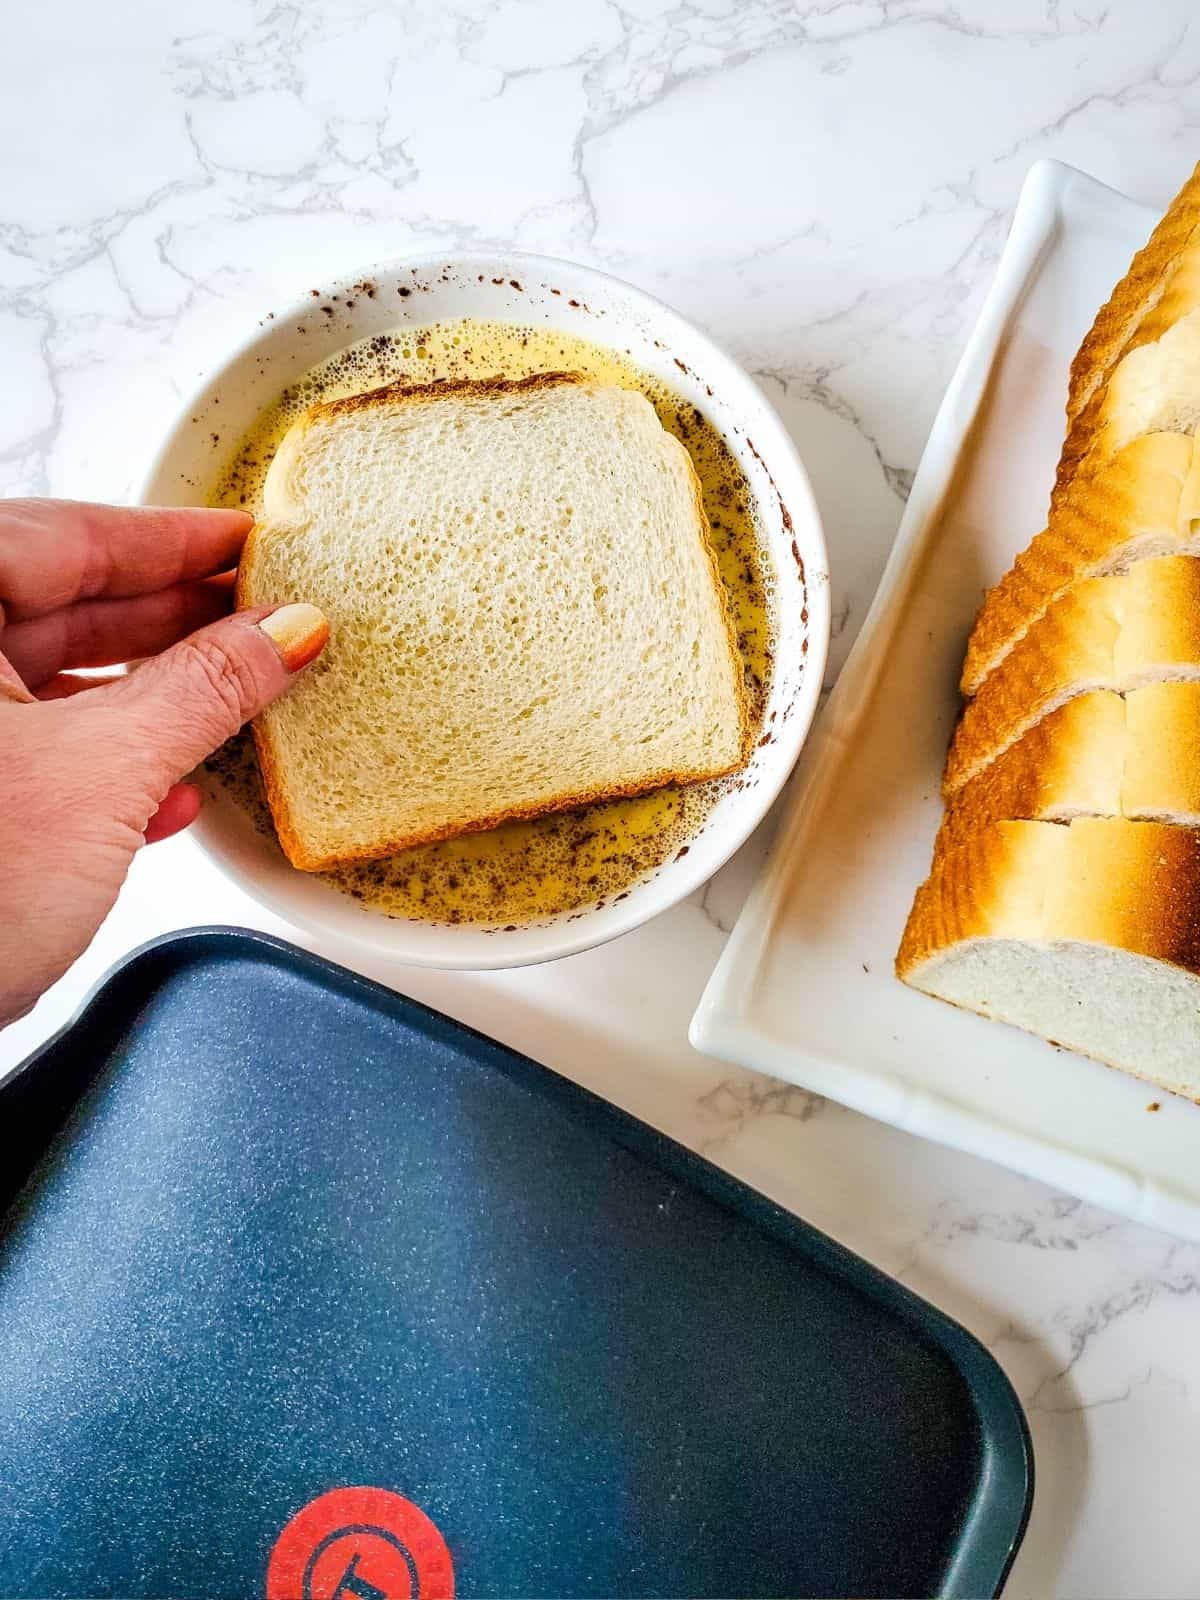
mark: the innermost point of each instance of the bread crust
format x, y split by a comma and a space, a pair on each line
293, 844
1106, 633
1136, 498
1101, 754
289, 835
1122, 323
987, 885
440, 389
1071, 763
1100, 880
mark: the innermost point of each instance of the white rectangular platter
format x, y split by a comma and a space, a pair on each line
805, 989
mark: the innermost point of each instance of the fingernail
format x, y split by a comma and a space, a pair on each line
298, 632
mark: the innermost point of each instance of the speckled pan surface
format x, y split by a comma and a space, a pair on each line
289, 1231
805, 989
541, 292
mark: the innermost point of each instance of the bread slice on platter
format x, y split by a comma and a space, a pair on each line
1119, 633
1102, 755
1144, 502
1161, 288
1088, 935
525, 609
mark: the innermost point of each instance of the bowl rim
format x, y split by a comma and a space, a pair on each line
539, 943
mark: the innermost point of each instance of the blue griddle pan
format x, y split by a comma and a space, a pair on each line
269, 1229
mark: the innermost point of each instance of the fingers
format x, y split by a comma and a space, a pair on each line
179, 809
180, 706
55, 552
101, 633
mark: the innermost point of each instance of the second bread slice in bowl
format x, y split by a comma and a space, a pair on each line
526, 613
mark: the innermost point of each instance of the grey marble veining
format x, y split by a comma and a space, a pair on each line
825, 187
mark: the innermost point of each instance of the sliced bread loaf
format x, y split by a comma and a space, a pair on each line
1064, 895
1144, 502
1088, 935
1119, 633
525, 613
1099, 755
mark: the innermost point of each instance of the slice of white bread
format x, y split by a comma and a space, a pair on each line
525, 610
1161, 287
1100, 755
1121, 632
1144, 502
1088, 935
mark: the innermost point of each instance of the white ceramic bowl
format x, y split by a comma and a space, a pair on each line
518, 288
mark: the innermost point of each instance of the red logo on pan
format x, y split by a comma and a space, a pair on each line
360, 1544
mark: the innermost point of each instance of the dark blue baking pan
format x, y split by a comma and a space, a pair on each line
276, 1238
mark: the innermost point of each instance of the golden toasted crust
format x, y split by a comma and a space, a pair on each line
1138, 292
1098, 525
1106, 633
1071, 647
1155, 388
1131, 316
1132, 885
1146, 388
1101, 755
1068, 764
1161, 777
290, 839
987, 885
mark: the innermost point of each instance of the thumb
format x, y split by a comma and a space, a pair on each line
180, 706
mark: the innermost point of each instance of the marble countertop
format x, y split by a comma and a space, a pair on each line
825, 187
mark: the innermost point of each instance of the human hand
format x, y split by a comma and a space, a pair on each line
90, 771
